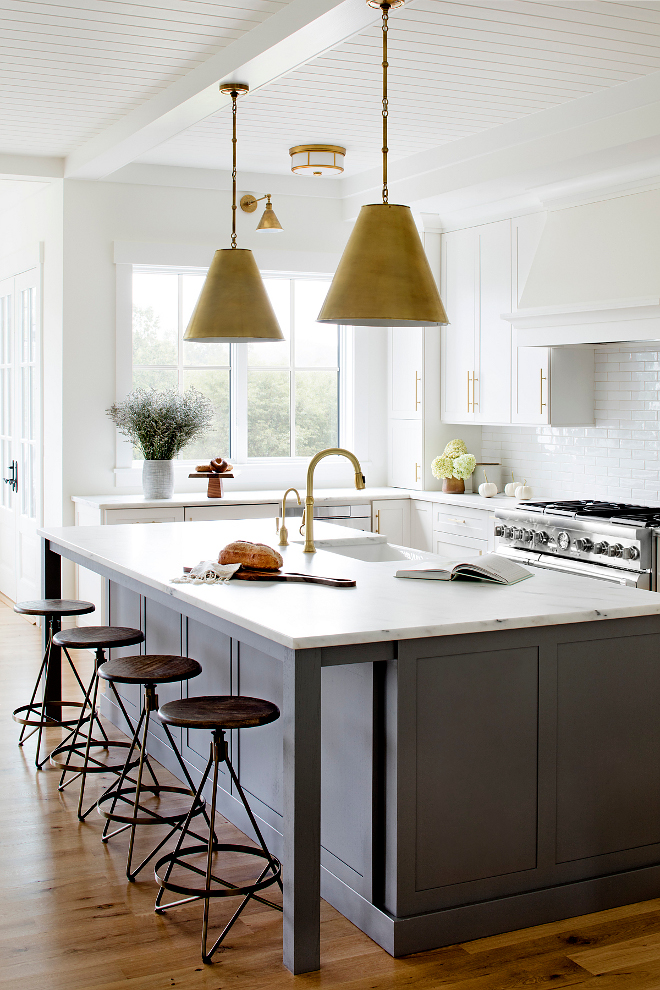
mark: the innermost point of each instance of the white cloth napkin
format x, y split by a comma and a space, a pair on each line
208, 572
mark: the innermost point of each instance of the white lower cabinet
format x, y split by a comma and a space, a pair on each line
119, 517
391, 518
421, 525
207, 513
458, 546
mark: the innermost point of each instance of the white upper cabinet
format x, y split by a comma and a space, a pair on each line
458, 339
406, 369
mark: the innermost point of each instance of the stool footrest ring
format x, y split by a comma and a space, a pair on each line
148, 817
176, 859
42, 718
61, 755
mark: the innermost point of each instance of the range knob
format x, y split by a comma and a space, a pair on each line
584, 545
601, 547
616, 550
517, 534
540, 537
499, 530
564, 541
508, 532
526, 536
630, 553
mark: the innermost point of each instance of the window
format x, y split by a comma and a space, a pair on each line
271, 400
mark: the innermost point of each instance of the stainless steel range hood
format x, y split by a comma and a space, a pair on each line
595, 277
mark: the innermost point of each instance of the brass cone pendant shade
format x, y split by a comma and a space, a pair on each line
269, 221
233, 306
384, 278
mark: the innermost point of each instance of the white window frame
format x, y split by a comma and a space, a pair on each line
254, 471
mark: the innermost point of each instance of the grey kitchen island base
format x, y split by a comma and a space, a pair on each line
451, 762
471, 785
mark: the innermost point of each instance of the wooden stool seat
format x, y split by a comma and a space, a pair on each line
54, 606
95, 637
149, 669
219, 712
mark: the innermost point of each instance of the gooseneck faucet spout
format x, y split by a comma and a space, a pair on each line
309, 500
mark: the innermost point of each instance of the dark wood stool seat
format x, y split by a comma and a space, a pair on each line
95, 637
149, 669
39, 715
54, 606
218, 713
83, 753
126, 801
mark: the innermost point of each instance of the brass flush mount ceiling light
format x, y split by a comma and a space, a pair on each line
233, 306
384, 278
317, 159
268, 221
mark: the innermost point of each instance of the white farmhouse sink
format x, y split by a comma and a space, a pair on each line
373, 552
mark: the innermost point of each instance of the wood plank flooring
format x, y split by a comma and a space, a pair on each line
69, 920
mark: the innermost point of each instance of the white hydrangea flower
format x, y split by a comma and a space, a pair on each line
455, 448
464, 466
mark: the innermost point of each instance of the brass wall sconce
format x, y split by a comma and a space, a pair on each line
268, 221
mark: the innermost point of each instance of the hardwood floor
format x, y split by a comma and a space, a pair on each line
70, 921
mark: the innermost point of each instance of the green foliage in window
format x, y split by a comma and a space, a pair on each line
150, 344
268, 414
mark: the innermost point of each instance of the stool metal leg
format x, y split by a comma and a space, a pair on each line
218, 754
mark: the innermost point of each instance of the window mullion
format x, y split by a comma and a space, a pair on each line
180, 333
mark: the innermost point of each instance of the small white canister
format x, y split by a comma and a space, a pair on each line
487, 471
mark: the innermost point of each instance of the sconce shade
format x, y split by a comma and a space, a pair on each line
233, 306
384, 278
269, 221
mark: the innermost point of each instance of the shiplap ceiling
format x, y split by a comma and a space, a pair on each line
456, 68
71, 68
69, 71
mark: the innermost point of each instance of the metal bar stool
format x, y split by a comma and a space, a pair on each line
79, 755
219, 714
34, 714
148, 670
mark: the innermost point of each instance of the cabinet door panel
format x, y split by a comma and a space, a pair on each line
458, 339
117, 517
458, 546
391, 517
406, 363
163, 636
406, 453
493, 389
532, 392
206, 513
421, 525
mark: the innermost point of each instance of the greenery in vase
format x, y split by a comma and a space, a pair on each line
160, 424
454, 462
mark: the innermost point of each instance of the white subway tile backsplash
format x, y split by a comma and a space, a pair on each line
617, 459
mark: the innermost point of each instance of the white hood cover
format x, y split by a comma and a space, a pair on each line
595, 277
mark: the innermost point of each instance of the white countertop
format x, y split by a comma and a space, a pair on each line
322, 496
379, 609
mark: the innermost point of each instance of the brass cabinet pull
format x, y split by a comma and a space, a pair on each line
377, 520
543, 379
418, 379
468, 392
417, 468
474, 402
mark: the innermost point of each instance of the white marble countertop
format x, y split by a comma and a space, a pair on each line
379, 609
322, 496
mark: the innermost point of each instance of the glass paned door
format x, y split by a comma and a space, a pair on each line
20, 420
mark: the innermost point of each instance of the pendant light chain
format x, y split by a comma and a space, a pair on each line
234, 96
385, 8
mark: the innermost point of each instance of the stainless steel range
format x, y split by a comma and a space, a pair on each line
605, 540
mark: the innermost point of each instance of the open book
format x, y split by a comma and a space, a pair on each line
490, 567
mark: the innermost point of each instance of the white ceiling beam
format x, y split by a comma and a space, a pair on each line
31, 167
297, 33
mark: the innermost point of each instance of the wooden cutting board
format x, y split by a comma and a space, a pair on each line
292, 576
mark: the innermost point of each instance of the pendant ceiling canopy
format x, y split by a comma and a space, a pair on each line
384, 278
233, 306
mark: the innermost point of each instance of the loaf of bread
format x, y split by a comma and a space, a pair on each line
252, 556
204, 467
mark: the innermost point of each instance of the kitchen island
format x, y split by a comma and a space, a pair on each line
454, 759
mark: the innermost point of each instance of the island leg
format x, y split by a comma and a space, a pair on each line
51, 587
302, 811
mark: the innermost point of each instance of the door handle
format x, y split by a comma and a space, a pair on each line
12, 480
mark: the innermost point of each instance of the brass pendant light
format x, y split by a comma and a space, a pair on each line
233, 306
384, 278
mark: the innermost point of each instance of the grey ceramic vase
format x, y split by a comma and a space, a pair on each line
158, 479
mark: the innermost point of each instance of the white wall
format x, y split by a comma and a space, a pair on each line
98, 214
616, 459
